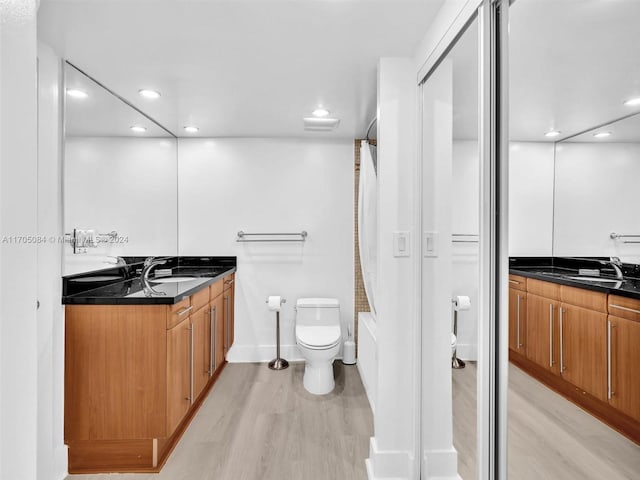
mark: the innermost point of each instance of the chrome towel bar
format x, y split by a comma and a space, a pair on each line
621, 237
242, 237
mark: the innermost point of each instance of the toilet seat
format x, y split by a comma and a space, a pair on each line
318, 337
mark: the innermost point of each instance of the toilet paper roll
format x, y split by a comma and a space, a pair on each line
274, 302
461, 302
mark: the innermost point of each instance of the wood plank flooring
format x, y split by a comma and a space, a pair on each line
259, 424
549, 437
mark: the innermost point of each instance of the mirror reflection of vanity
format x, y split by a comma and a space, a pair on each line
119, 179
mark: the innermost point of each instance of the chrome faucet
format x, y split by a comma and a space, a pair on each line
615, 264
150, 264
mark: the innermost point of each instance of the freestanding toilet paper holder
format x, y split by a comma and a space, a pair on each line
278, 363
455, 361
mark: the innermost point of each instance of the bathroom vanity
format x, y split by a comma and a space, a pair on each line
579, 335
138, 366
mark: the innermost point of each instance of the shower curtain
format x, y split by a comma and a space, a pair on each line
368, 223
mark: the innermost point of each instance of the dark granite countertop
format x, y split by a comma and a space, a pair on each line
121, 285
561, 269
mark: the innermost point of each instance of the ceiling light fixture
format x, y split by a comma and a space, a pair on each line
632, 102
138, 129
552, 133
320, 112
191, 129
602, 134
146, 93
75, 93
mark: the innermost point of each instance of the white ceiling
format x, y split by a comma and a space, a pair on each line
239, 67
572, 64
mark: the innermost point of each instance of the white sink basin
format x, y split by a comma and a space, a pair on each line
171, 279
596, 279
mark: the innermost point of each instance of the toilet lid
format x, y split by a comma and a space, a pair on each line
318, 336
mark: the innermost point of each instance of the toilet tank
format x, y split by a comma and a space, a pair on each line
317, 311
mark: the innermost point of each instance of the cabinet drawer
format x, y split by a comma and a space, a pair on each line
580, 297
517, 282
228, 281
178, 312
543, 289
199, 299
216, 289
623, 307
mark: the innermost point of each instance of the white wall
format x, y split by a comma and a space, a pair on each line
52, 453
531, 199
18, 216
465, 205
596, 194
271, 185
123, 184
392, 448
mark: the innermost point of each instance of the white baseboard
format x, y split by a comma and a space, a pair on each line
387, 464
440, 465
467, 352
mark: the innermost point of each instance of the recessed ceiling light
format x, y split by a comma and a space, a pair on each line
138, 129
552, 133
632, 102
75, 93
602, 134
320, 112
191, 129
146, 93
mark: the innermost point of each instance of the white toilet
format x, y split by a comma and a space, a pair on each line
318, 335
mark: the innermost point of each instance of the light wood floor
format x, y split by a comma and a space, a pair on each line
549, 437
258, 424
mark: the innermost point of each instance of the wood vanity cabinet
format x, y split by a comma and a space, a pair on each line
543, 305
623, 351
135, 376
517, 313
583, 329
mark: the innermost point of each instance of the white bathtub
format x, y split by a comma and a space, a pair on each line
368, 355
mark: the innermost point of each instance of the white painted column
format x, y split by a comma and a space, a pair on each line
439, 458
393, 446
18, 214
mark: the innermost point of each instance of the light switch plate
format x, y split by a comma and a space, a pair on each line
430, 244
401, 244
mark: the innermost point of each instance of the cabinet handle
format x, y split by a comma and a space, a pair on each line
184, 310
229, 282
212, 340
624, 308
562, 369
515, 282
191, 363
518, 323
551, 334
610, 390
226, 322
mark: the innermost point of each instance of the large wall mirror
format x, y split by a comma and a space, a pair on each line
119, 179
570, 189
596, 210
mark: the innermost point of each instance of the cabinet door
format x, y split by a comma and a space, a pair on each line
178, 373
517, 320
200, 322
624, 341
542, 332
217, 314
583, 353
